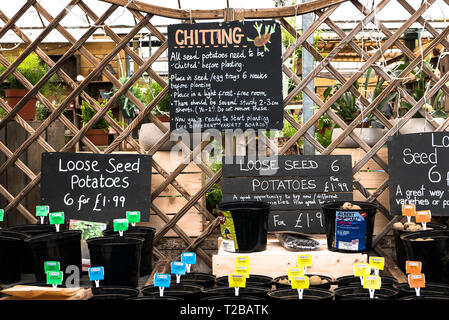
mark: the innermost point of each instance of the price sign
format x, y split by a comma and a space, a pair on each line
305, 260
162, 280
413, 267
133, 216
121, 224
408, 210
416, 280
55, 277
2, 214
294, 272
96, 273
51, 266
377, 263
361, 269
423, 216
237, 281
42, 211
242, 261
178, 267
242, 270
57, 218
188, 257
372, 282
300, 282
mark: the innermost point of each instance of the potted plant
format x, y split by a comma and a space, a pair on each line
33, 69
99, 132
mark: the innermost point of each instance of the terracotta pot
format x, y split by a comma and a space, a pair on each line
13, 96
99, 137
164, 118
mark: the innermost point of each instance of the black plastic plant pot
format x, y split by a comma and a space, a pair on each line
352, 231
254, 280
185, 291
244, 225
156, 298
120, 258
401, 256
351, 292
355, 281
146, 257
433, 254
128, 291
431, 289
11, 253
64, 246
109, 297
31, 230
308, 294
247, 291
206, 280
231, 298
436, 297
282, 282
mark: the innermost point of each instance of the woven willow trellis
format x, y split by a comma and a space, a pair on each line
143, 13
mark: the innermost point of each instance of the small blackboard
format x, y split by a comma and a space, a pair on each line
225, 75
96, 187
418, 168
294, 185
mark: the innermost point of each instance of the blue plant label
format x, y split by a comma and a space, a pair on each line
178, 267
96, 273
162, 280
350, 230
188, 257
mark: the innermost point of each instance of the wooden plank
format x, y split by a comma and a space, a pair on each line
33, 155
191, 223
358, 153
3, 176
276, 260
371, 179
172, 204
191, 182
170, 161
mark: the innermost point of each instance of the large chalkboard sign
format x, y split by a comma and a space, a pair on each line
96, 187
294, 185
226, 75
419, 172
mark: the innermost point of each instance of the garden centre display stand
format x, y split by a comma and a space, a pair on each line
276, 260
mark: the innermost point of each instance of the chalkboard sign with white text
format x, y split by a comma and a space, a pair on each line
96, 187
419, 172
225, 75
294, 185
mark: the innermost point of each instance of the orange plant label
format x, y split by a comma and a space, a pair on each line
408, 210
417, 280
423, 216
413, 267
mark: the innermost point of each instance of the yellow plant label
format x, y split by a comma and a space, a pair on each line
242, 261
408, 210
377, 262
295, 272
372, 282
304, 260
237, 281
300, 282
242, 270
361, 269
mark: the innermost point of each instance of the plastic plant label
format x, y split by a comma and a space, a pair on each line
423, 216
304, 260
237, 281
2, 214
372, 282
56, 218
361, 269
300, 282
188, 257
242, 261
51, 266
42, 211
133, 216
162, 280
178, 267
413, 267
55, 277
121, 224
96, 273
408, 210
295, 272
416, 280
377, 262
242, 270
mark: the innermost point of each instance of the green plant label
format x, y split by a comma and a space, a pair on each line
57, 218
2, 214
133, 216
42, 211
52, 266
120, 224
55, 277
